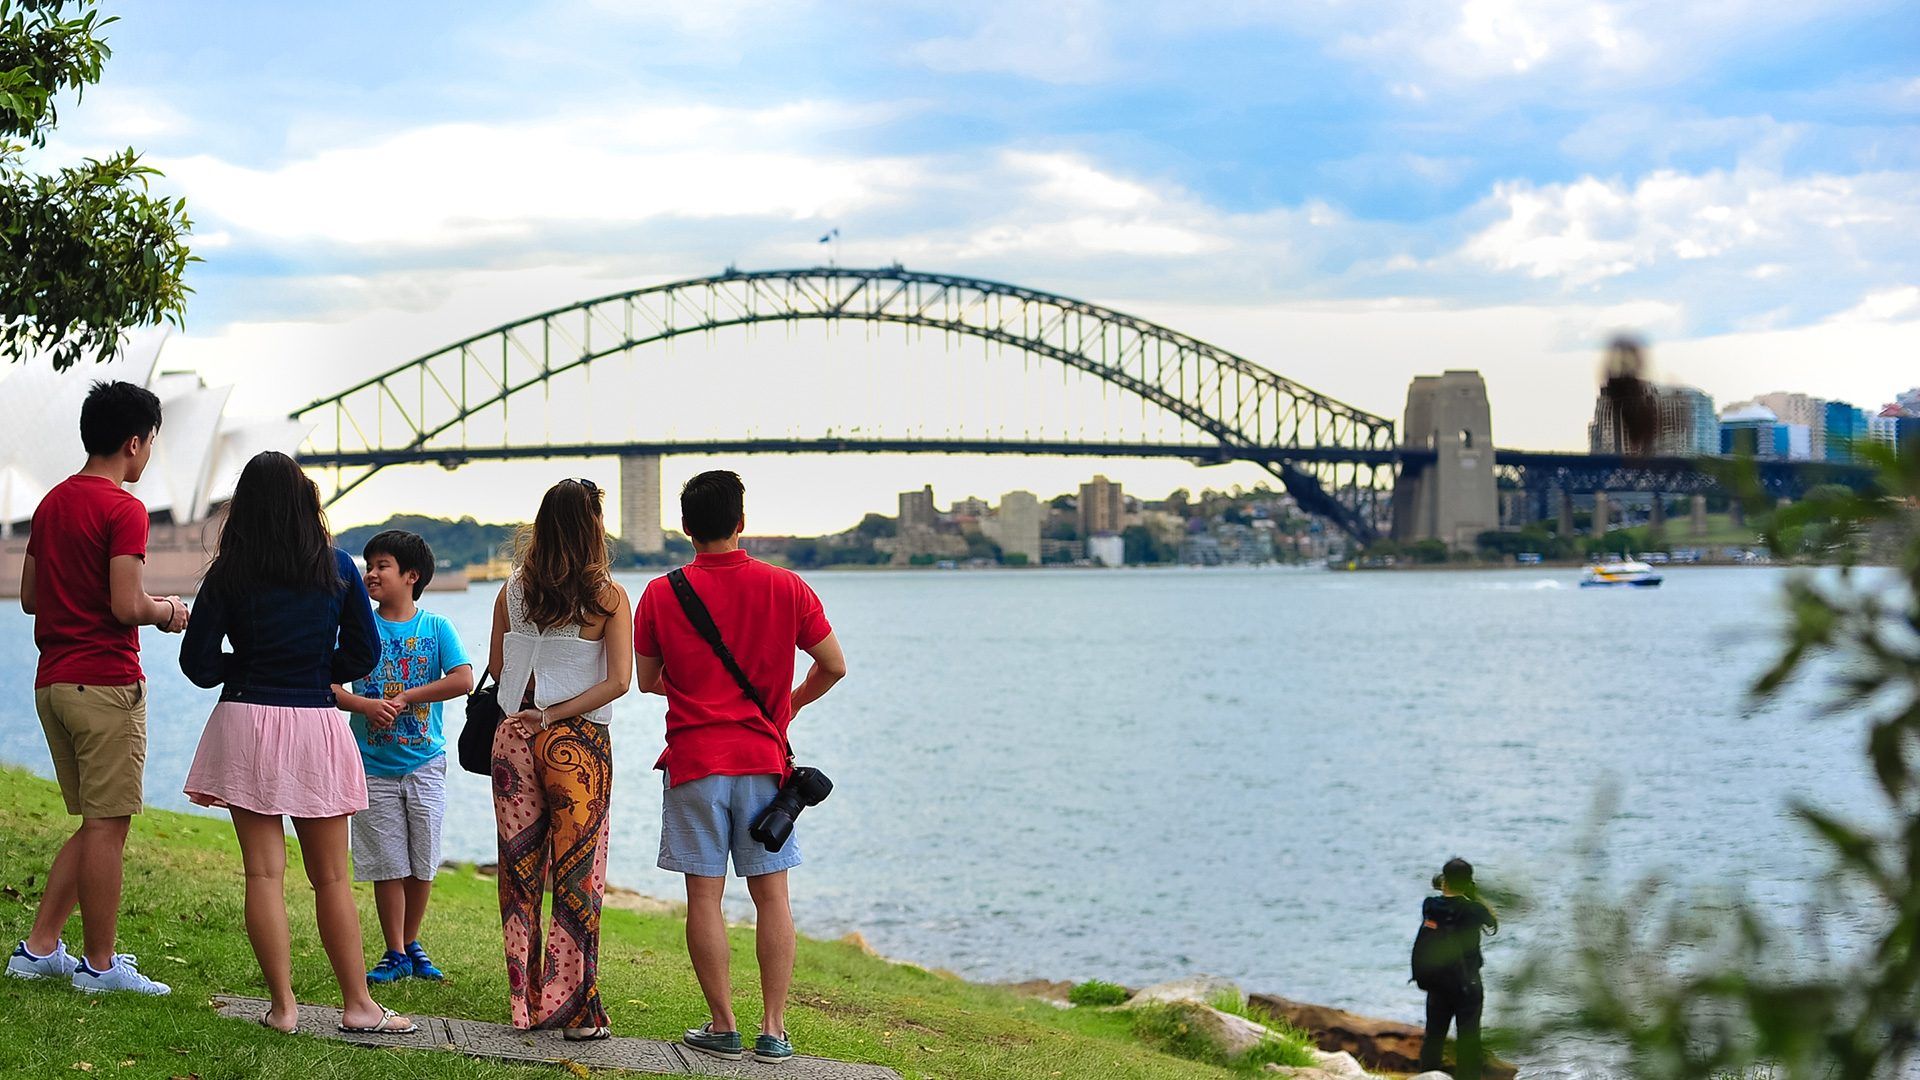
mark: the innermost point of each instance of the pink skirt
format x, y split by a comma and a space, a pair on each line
275, 759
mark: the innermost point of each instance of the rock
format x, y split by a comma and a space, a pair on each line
1053, 993
1435, 1074
1234, 1035
1199, 989
1339, 1063
1381, 1045
859, 941
1304, 1074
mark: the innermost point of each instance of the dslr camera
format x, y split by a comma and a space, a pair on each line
805, 787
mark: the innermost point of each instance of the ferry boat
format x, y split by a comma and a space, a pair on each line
1621, 574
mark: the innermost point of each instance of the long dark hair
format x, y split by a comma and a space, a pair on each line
274, 532
564, 565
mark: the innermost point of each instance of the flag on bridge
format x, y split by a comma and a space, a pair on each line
831, 234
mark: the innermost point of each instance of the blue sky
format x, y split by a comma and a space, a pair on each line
1382, 187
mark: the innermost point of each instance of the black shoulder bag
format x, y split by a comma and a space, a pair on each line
804, 787
476, 736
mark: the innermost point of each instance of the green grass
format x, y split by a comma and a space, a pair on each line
182, 915
1095, 993
1288, 1045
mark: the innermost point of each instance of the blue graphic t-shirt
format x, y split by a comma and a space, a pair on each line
412, 653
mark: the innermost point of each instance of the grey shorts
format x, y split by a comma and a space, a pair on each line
705, 820
398, 834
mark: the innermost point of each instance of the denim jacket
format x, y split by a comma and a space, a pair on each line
290, 645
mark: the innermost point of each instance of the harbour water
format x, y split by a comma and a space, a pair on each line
1141, 774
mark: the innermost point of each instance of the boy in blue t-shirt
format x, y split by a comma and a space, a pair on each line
396, 839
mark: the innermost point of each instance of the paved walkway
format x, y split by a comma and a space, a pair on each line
509, 1044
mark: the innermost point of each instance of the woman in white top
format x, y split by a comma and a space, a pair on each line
562, 651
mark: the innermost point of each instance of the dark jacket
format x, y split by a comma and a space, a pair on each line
290, 645
1461, 921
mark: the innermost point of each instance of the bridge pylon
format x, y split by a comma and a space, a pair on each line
640, 504
1452, 497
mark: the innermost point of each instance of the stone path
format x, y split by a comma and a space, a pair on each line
509, 1044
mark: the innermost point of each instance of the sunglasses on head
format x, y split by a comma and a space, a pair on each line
591, 487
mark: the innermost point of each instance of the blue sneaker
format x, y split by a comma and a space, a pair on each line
721, 1044
58, 964
422, 967
772, 1049
392, 968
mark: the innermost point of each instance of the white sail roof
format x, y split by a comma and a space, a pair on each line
195, 463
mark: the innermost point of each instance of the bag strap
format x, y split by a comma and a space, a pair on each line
703, 624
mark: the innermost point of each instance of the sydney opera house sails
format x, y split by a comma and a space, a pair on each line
195, 463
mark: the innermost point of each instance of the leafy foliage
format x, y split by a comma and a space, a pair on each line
1691, 986
1093, 992
86, 252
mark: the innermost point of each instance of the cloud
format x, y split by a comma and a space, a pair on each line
1554, 43
467, 184
1584, 231
1065, 41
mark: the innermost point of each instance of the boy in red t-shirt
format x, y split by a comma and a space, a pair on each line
724, 760
82, 585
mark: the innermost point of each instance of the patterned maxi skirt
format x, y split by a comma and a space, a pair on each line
550, 797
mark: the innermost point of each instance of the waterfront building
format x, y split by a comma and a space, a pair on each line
1750, 429
1058, 550
1102, 508
1885, 430
973, 506
1846, 427
1015, 526
921, 544
916, 509
1107, 549
193, 469
1806, 410
1687, 424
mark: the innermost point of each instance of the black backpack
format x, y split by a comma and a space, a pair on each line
1439, 957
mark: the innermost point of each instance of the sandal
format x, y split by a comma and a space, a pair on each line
386, 1016
591, 1034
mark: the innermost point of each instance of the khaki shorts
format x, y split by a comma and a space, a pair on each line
98, 737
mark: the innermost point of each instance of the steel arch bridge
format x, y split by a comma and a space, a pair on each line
1324, 451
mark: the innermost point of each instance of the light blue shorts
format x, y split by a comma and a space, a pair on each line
703, 820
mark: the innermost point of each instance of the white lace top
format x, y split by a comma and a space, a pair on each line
558, 662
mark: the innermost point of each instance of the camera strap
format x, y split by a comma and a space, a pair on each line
703, 624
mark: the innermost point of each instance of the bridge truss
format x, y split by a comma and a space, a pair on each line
1329, 455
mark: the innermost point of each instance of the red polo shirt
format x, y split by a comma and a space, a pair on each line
764, 614
82, 524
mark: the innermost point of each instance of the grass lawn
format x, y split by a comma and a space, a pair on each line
182, 916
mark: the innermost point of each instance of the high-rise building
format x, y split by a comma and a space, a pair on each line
916, 509
1794, 408
1752, 430
1885, 429
1687, 425
1846, 427
972, 506
1015, 526
1102, 508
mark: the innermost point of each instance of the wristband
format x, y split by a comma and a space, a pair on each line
168, 621
544, 722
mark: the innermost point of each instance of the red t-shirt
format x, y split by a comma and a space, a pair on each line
764, 614
81, 524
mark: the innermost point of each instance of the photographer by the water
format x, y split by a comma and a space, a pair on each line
1446, 964
717, 638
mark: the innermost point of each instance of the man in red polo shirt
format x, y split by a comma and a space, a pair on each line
82, 583
725, 760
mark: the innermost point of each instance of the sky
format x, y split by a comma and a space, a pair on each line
1350, 193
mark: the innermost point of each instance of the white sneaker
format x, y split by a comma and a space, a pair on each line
123, 975
57, 965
